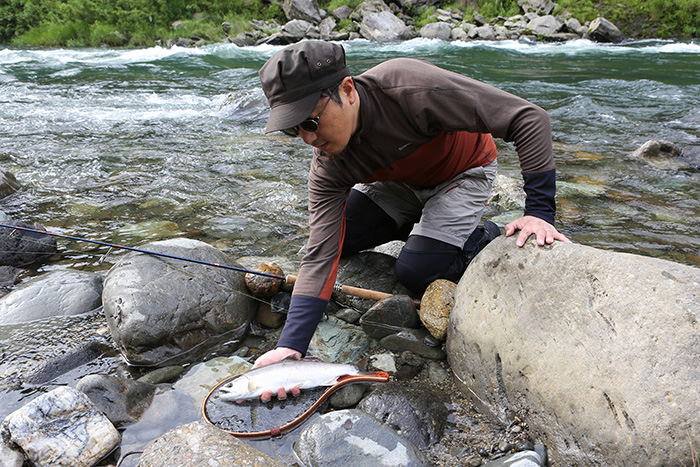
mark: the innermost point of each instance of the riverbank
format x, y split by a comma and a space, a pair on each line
133, 24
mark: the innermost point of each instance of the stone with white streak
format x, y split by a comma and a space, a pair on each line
61, 428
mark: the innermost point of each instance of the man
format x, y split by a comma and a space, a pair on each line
402, 151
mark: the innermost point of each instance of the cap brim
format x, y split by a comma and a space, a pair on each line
290, 114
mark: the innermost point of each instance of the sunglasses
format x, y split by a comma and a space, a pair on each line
310, 124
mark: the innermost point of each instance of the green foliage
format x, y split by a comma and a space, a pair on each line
426, 16
493, 8
333, 4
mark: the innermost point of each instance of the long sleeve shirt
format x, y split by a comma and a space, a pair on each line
421, 125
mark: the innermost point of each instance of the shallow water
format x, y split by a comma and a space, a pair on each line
132, 145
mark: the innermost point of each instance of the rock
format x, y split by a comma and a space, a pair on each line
8, 183
123, 401
326, 27
487, 33
268, 318
342, 12
369, 7
306, 10
9, 276
263, 286
545, 25
518, 459
383, 362
368, 270
602, 30
413, 340
340, 342
389, 316
659, 153
296, 29
436, 373
61, 428
435, 307
605, 361
201, 378
415, 411
10, 457
382, 27
167, 374
348, 315
57, 293
347, 396
540, 7
439, 30
351, 437
71, 359
161, 310
198, 444
458, 34
575, 26
21, 248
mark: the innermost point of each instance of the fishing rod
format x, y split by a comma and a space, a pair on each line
289, 279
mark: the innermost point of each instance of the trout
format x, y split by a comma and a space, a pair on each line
287, 374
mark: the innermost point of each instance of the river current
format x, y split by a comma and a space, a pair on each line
132, 145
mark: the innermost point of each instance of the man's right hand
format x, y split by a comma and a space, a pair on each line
274, 356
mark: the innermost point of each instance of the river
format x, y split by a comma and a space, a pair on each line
132, 145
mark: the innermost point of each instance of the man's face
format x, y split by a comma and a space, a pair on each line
335, 125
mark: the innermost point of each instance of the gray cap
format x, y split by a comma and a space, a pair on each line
294, 77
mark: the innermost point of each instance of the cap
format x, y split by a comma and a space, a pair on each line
293, 78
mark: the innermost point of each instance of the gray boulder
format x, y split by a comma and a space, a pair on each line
486, 33
382, 27
599, 350
306, 10
659, 153
602, 30
8, 183
58, 293
367, 8
123, 401
545, 25
438, 30
160, 310
351, 437
23, 248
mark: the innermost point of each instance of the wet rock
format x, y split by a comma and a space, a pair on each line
383, 362
264, 286
436, 373
57, 293
166, 374
351, 437
487, 33
339, 341
61, 428
382, 27
435, 307
602, 30
415, 411
21, 248
198, 444
347, 396
348, 315
9, 276
203, 377
438, 30
627, 324
413, 340
123, 401
73, 358
8, 183
164, 311
659, 153
389, 316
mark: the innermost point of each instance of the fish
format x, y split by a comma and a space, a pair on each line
287, 374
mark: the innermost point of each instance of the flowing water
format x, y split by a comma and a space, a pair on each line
132, 145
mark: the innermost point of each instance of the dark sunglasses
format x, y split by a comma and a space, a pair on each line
310, 124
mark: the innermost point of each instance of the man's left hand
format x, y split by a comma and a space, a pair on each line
529, 225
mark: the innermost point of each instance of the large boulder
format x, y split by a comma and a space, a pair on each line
160, 310
602, 30
598, 350
382, 27
21, 248
306, 10
57, 293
